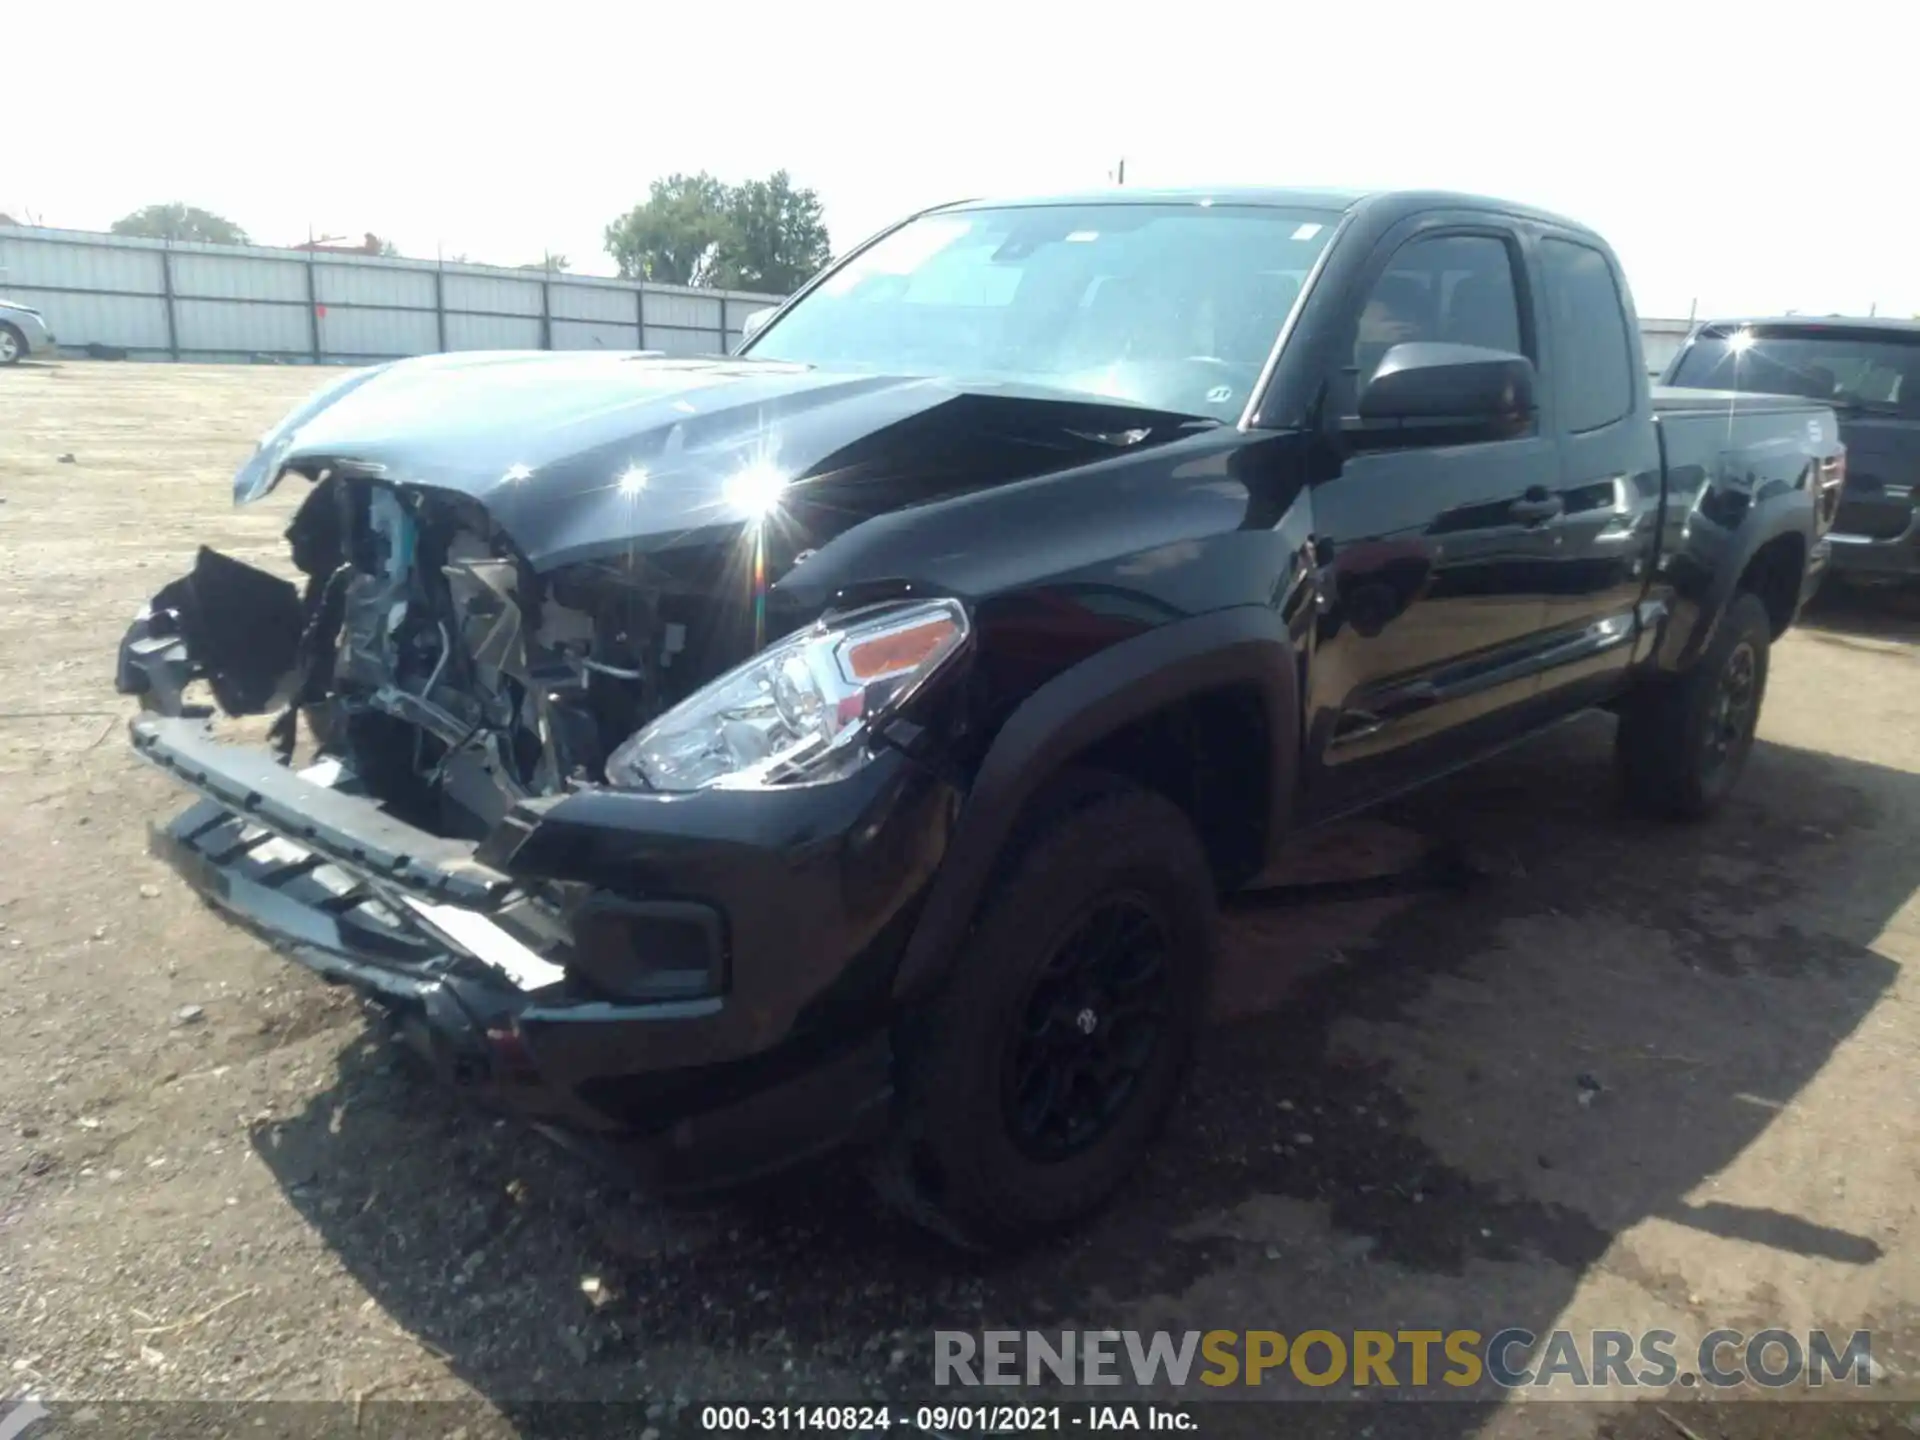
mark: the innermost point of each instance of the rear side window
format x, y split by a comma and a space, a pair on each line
1591, 343
1457, 288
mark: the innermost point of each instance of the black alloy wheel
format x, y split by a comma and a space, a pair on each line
1735, 709
1090, 1028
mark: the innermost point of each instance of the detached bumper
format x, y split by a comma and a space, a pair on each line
476, 969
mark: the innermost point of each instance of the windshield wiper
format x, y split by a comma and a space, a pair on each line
1124, 438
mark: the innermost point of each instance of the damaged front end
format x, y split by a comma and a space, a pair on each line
514, 566
506, 829
451, 678
620, 833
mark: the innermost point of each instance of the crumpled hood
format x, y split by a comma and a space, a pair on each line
577, 455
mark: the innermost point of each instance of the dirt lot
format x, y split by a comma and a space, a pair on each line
214, 1183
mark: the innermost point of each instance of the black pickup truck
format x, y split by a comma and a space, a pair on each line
1868, 370
851, 740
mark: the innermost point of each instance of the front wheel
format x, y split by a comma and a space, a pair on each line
1034, 1082
1683, 740
13, 345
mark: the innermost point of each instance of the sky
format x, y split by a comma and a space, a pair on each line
1741, 158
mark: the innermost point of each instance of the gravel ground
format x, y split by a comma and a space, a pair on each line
1633, 1077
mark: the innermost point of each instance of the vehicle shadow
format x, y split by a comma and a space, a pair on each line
1410, 1084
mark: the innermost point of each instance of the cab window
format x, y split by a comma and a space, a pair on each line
1592, 349
1454, 288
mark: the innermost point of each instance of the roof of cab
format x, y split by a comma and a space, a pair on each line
1276, 197
1182, 195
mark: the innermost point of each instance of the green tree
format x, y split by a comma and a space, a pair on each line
554, 263
176, 221
671, 236
775, 238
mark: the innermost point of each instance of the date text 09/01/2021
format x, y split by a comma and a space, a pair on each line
944, 1419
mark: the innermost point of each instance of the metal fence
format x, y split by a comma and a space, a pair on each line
155, 300
1662, 340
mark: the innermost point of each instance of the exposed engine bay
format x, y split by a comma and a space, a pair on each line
461, 680
447, 674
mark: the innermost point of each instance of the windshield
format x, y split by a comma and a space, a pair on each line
1866, 370
1175, 307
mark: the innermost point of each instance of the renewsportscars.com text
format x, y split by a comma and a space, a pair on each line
1407, 1359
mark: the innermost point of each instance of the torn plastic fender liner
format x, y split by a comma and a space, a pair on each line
227, 621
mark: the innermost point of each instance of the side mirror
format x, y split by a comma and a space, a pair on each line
1430, 391
755, 322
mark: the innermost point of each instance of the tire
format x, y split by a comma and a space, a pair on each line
1683, 740
979, 1156
13, 345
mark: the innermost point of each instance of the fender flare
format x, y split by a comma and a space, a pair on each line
1783, 517
1124, 683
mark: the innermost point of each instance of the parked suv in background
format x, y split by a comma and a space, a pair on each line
23, 332
1869, 372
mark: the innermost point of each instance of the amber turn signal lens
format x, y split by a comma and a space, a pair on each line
897, 652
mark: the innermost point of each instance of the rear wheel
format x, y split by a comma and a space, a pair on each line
1034, 1082
13, 345
1684, 740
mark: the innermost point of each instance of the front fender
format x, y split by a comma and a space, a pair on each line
1064, 717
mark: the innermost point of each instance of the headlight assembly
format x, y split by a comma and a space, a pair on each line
802, 709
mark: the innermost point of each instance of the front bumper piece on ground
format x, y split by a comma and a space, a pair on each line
470, 970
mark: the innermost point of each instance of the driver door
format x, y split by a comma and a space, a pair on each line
1427, 554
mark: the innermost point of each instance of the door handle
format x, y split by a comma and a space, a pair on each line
1535, 509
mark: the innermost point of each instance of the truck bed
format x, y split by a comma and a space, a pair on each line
1679, 400
1723, 452
1721, 437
